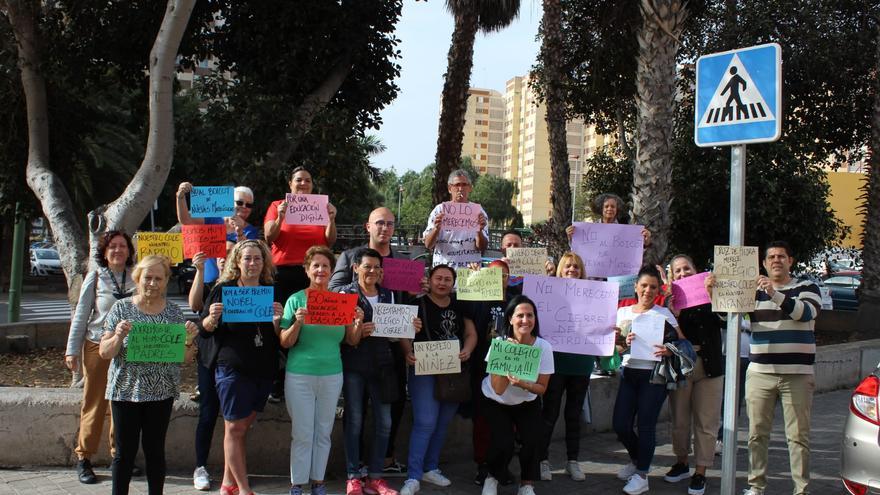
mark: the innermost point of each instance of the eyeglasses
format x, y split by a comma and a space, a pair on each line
383, 223
460, 184
242, 203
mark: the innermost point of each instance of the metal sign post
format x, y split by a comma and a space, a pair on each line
738, 101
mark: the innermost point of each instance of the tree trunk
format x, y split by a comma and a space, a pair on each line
662, 23
57, 207
869, 292
453, 106
551, 55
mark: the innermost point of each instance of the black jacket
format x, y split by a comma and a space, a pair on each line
702, 328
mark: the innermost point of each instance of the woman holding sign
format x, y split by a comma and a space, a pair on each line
512, 405
369, 371
636, 395
443, 319
290, 242
314, 373
243, 354
572, 378
141, 388
699, 400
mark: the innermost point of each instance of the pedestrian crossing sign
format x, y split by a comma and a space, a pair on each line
739, 96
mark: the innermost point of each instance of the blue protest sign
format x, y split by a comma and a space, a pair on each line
211, 201
739, 96
248, 304
627, 284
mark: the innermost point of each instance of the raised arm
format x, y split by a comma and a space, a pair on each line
183, 215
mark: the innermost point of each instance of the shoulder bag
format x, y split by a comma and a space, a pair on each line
449, 387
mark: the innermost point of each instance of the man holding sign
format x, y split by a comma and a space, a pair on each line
457, 231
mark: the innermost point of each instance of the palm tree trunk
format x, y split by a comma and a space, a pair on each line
454, 100
869, 292
662, 23
551, 55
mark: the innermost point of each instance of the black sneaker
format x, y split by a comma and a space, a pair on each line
482, 472
85, 473
507, 478
678, 472
698, 485
394, 468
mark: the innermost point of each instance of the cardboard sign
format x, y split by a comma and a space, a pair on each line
330, 308
608, 249
736, 271
400, 274
212, 201
208, 238
461, 216
480, 285
248, 304
306, 209
509, 358
161, 243
648, 328
437, 357
626, 286
156, 343
394, 320
527, 261
690, 291
576, 316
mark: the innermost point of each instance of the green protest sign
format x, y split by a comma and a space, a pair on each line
509, 358
156, 343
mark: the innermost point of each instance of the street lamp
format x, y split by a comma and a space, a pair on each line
399, 196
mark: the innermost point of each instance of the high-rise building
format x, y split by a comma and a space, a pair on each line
483, 130
526, 157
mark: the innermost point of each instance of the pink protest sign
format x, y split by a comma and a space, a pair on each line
461, 216
690, 291
400, 274
608, 249
306, 209
576, 316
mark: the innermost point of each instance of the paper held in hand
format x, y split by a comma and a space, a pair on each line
510, 358
527, 261
649, 333
394, 320
437, 357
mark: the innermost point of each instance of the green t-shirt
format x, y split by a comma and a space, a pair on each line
316, 351
573, 364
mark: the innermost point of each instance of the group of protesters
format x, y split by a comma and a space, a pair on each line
241, 365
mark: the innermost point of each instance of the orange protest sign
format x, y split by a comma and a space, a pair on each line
330, 308
210, 239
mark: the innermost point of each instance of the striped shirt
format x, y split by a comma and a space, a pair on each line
783, 340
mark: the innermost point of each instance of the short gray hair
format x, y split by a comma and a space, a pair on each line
245, 190
458, 173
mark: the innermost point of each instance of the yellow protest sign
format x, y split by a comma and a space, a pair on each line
482, 285
161, 243
736, 270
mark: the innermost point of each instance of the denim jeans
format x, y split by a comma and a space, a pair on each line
311, 404
430, 420
209, 408
637, 396
355, 386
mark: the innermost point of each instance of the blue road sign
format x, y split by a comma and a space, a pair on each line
739, 96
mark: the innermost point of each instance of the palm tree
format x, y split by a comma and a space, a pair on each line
470, 16
662, 23
869, 292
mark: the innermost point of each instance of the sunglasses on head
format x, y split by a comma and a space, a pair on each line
242, 203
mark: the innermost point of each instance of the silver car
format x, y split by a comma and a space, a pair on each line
860, 450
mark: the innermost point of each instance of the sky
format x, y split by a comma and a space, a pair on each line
409, 129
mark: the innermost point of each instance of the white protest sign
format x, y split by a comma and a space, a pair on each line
437, 357
649, 332
527, 261
394, 320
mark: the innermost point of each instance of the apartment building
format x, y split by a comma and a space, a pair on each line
483, 130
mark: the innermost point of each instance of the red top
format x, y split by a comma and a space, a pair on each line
660, 300
290, 247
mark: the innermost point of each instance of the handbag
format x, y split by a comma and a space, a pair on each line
449, 387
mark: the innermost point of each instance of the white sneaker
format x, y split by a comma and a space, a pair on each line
719, 446
490, 486
626, 471
410, 487
753, 491
526, 490
573, 468
201, 479
636, 485
435, 477
546, 475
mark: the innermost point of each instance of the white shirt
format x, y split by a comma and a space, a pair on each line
626, 313
456, 248
516, 395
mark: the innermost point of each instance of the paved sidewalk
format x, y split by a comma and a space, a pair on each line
601, 454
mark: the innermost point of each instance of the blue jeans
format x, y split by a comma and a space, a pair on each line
430, 420
209, 408
354, 388
637, 396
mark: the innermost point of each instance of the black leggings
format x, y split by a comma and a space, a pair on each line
145, 423
575, 389
506, 423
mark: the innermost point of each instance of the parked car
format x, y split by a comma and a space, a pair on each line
844, 287
860, 447
45, 262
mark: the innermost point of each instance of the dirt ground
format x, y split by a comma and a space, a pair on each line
45, 368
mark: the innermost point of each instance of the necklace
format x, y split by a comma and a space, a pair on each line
119, 291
